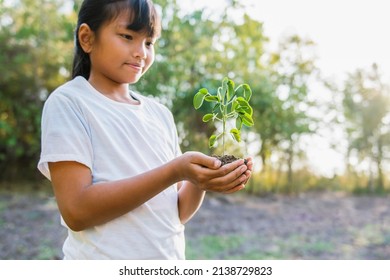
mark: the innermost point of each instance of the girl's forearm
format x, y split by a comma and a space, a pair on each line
84, 205
190, 200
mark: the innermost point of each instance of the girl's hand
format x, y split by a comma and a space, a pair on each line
207, 173
248, 173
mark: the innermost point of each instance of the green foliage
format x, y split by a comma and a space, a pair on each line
368, 131
211, 246
228, 103
285, 103
255, 247
35, 49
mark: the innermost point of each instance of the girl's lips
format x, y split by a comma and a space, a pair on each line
135, 66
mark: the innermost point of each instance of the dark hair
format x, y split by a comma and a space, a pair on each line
143, 17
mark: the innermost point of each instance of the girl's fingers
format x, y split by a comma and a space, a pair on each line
248, 174
234, 189
229, 168
205, 161
227, 172
249, 163
229, 181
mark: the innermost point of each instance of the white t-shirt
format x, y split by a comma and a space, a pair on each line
116, 141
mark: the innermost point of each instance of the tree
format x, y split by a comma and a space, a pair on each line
292, 67
35, 38
366, 110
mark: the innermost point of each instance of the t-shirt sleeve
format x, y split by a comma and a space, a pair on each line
65, 134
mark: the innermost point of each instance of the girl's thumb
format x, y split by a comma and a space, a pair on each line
209, 162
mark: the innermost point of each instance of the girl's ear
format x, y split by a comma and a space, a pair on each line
86, 37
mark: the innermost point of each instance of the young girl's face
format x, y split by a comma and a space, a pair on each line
121, 55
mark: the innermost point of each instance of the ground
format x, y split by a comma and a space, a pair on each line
324, 225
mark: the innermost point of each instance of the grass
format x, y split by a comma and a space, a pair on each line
212, 247
3, 206
46, 252
254, 248
299, 247
371, 241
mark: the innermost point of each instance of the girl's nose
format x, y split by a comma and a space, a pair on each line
140, 51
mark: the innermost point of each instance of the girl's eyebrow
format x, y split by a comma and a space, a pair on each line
124, 25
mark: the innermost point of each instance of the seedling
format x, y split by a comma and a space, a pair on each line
229, 104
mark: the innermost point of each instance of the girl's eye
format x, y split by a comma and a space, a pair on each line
149, 44
127, 36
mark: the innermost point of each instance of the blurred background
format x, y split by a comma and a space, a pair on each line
319, 72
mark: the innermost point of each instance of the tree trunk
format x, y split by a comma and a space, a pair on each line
290, 159
380, 180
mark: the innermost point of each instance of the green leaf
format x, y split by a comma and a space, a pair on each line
224, 87
198, 100
203, 91
230, 90
219, 94
207, 117
212, 140
247, 92
241, 110
236, 134
235, 104
212, 98
242, 102
244, 106
239, 123
216, 106
249, 110
247, 119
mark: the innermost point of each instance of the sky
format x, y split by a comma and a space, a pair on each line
349, 35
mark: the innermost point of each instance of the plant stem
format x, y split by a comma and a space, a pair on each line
223, 135
224, 119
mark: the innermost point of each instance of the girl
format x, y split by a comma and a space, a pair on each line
123, 187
